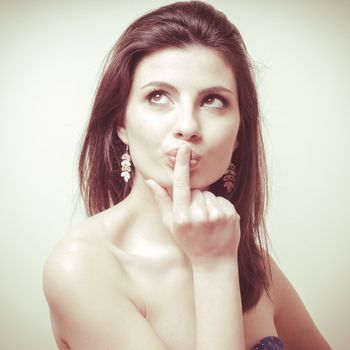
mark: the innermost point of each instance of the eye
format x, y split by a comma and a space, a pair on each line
214, 101
158, 97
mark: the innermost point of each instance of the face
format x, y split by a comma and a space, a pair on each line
182, 96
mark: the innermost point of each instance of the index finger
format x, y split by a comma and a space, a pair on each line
181, 184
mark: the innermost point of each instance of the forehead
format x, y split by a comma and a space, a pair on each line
193, 66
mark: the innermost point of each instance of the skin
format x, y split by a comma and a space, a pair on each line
167, 277
168, 108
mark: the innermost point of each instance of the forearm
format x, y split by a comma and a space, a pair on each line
219, 321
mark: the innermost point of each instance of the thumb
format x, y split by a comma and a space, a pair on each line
163, 201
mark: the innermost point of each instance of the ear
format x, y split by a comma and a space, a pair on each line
122, 135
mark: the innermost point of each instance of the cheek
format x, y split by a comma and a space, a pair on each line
137, 128
224, 153
224, 137
142, 124
224, 145
144, 135
144, 138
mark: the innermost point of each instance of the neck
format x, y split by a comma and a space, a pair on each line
146, 226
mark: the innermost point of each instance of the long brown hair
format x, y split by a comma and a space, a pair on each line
179, 25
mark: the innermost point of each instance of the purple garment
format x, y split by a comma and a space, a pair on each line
269, 343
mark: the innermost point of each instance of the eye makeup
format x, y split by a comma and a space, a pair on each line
215, 101
211, 98
158, 97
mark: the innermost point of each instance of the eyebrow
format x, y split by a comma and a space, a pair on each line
212, 89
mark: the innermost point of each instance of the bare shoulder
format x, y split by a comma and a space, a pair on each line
76, 263
67, 280
84, 252
293, 322
88, 292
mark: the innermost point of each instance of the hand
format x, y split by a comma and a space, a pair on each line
206, 227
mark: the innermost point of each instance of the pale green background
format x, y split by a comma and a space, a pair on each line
51, 57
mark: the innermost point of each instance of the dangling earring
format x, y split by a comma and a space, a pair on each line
229, 178
126, 165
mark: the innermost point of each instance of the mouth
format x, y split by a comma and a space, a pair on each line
195, 158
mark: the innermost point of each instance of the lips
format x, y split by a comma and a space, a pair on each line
194, 158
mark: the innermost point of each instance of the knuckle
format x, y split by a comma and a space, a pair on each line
236, 217
225, 202
215, 215
200, 219
181, 219
197, 213
196, 194
209, 194
230, 210
233, 214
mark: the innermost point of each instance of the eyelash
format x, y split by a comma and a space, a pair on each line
155, 92
211, 96
219, 97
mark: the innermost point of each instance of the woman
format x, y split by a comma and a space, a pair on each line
173, 175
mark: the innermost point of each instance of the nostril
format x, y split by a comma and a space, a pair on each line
195, 137
187, 128
187, 136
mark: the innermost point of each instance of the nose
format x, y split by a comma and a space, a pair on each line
187, 125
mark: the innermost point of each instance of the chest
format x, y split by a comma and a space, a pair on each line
168, 304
